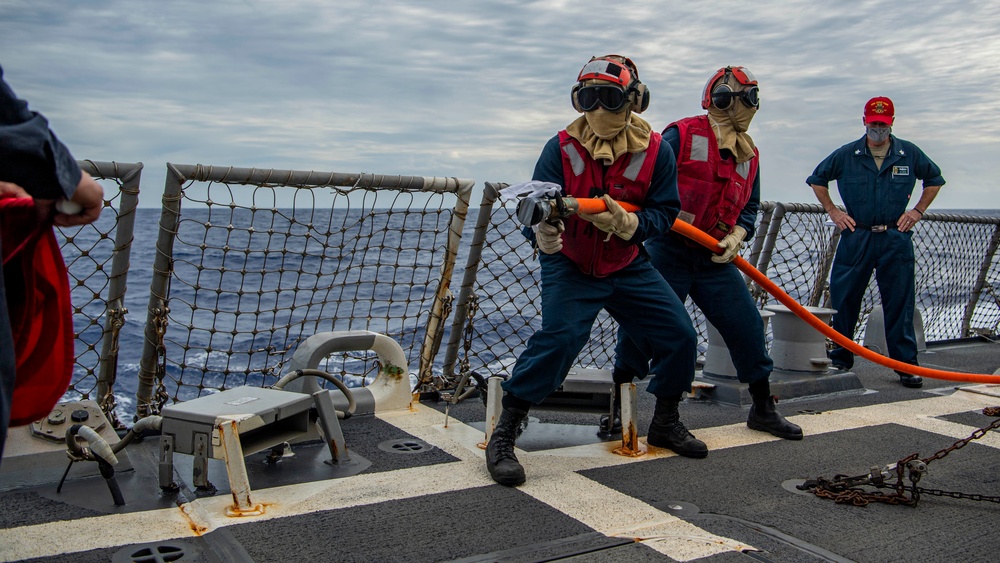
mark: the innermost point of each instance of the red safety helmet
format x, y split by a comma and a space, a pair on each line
612, 68
742, 75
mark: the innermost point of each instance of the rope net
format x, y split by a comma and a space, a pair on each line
244, 270
88, 252
96, 257
794, 245
251, 281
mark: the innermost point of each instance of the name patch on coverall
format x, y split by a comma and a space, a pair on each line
900, 170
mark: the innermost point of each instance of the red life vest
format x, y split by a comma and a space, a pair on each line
626, 180
712, 189
41, 314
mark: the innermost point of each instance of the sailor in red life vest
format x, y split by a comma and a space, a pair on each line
717, 177
592, 262
36, 329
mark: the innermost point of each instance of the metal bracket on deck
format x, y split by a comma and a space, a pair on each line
244, 419
494, 405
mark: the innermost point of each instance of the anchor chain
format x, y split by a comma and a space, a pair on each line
460, 393
108, 403
844, 489
160, 318
447, 305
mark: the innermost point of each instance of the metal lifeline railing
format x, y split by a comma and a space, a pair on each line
249, 262
97, 289
259, 260
955, 267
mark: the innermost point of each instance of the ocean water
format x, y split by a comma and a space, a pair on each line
356, 294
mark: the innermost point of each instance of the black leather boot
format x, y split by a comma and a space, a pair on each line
500, 459
667, 431
611, 424
764, 416
911, 381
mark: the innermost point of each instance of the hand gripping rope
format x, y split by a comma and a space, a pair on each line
533, 210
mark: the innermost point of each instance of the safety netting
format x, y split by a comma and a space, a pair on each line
957, 281
242, 265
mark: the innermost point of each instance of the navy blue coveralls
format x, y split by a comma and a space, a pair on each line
717, 289
636, 296
874, 197
32, 157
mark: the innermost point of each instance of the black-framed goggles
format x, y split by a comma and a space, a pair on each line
722, 96
611, 98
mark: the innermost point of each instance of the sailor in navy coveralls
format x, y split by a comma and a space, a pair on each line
875, 177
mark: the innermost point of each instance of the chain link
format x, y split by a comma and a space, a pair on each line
844, 489
108, 402
160, 319
464, 365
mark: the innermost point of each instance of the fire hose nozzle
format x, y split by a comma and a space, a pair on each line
533, 210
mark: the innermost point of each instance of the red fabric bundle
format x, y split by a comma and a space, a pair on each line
41, 313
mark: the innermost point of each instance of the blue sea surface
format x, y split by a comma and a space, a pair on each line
288, 277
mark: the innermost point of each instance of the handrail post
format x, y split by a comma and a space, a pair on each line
977, 290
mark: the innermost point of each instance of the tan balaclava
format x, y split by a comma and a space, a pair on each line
607, 135
731, 124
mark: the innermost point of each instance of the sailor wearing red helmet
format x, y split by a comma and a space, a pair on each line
875, 177
719, 185
592, 262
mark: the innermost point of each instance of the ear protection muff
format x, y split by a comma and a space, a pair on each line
637, 91
572, 94
640, 100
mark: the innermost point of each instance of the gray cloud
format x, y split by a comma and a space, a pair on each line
474, 89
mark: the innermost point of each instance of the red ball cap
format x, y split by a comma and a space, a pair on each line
879, 110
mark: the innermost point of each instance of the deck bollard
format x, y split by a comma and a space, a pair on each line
796, 345
718, 359
630, 432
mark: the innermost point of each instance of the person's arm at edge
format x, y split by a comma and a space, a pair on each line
89, 195
48, 159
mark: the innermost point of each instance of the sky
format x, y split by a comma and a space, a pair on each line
474, 88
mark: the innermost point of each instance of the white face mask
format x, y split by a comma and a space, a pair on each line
878, 135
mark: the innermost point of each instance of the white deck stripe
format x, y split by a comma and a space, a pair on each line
84, 534
553, 478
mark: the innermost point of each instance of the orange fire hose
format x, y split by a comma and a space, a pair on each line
593, 205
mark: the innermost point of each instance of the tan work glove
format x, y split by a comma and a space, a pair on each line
548, 237
615, 220
731, 245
